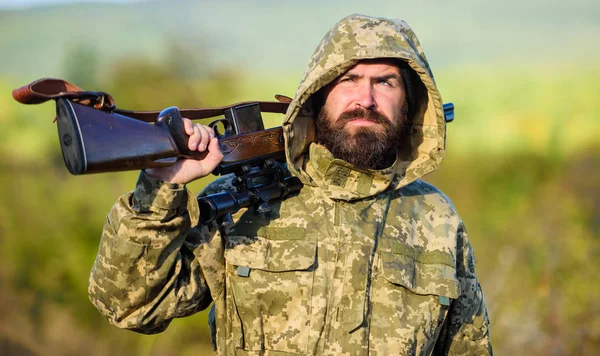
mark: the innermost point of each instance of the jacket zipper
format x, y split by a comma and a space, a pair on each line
331, 310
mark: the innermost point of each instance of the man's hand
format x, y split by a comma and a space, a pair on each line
185, 170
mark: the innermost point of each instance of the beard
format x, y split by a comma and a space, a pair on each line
371, 147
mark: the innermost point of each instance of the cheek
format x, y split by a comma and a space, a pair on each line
331, 110
395, 107
337, 100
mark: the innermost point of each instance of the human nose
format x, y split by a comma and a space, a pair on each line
365, 96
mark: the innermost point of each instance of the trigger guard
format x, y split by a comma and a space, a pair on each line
226, 125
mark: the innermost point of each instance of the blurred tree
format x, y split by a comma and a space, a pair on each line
189, 60
184, 77
81, 65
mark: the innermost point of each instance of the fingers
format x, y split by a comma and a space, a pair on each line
214, 157
188, 125
200, 136
215, 152
190, 169
186, 170
204, 137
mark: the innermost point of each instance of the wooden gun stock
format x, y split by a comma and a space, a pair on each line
94, 141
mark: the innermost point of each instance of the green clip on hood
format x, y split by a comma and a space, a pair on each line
354, 38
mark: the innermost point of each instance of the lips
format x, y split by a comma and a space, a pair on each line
362, 122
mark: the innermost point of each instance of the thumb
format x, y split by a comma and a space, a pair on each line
214, 156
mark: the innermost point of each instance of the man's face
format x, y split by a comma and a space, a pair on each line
362, 115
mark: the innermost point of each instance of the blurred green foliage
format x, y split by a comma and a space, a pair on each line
522, 167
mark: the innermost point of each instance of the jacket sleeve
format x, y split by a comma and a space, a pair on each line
149, 267
466, 329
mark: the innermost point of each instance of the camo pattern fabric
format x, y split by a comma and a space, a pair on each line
357, 263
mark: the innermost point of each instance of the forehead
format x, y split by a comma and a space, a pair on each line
374, 66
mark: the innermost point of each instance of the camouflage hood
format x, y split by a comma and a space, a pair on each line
354, 38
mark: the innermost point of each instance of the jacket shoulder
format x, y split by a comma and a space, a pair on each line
433, 196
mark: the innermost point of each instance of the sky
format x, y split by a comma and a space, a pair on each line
453, 33
16, 4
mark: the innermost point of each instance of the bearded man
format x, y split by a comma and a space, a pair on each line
365, 259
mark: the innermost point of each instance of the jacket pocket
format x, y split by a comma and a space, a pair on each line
411, 300
420, 278
270, 285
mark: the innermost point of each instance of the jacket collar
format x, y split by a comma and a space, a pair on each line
342, 181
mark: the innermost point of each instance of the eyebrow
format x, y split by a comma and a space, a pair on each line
388, 76
377, 77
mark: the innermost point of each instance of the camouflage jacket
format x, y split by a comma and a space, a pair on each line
359, 262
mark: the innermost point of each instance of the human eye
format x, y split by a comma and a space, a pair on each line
385, 82
346, 79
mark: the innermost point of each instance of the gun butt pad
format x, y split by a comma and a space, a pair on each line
69, 135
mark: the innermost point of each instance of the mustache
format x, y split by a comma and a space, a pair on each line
368, 115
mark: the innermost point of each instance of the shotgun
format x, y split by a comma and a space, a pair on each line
94, 141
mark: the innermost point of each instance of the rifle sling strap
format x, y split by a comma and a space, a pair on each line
46, 89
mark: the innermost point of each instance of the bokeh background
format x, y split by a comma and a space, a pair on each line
522, 166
